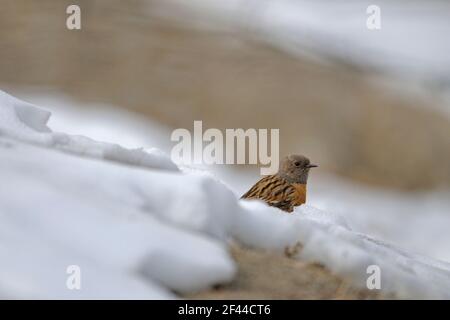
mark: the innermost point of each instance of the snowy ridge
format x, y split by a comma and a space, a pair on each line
26, 122
327, 239
150, 230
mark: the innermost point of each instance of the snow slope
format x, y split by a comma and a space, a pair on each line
138, 227
59, 210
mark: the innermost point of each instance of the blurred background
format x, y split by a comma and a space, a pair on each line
372, 107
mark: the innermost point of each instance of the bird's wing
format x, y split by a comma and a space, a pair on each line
274, 191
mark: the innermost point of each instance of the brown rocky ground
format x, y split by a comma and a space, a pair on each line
269, 275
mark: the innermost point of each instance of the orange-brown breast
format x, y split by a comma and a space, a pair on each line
277, 192
300, 194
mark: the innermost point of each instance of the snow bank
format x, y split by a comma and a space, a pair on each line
59, 210
416, 221
327, 239
28, 123
139, 232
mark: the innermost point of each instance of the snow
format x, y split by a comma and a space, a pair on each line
28, 123
327, 239
99, 121
140, 227
62, 210
417, 221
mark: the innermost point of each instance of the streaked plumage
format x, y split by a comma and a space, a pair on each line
286, 189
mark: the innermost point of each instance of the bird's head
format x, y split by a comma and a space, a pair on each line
295, 168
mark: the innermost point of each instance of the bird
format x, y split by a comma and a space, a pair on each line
287, 188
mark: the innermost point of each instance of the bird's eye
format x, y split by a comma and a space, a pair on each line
297, 164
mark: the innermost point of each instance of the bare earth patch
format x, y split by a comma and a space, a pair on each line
270, 275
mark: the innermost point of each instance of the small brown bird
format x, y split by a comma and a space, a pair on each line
286, 189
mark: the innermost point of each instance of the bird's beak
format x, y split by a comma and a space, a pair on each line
312, 166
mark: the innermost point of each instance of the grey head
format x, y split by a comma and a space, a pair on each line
295, 168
